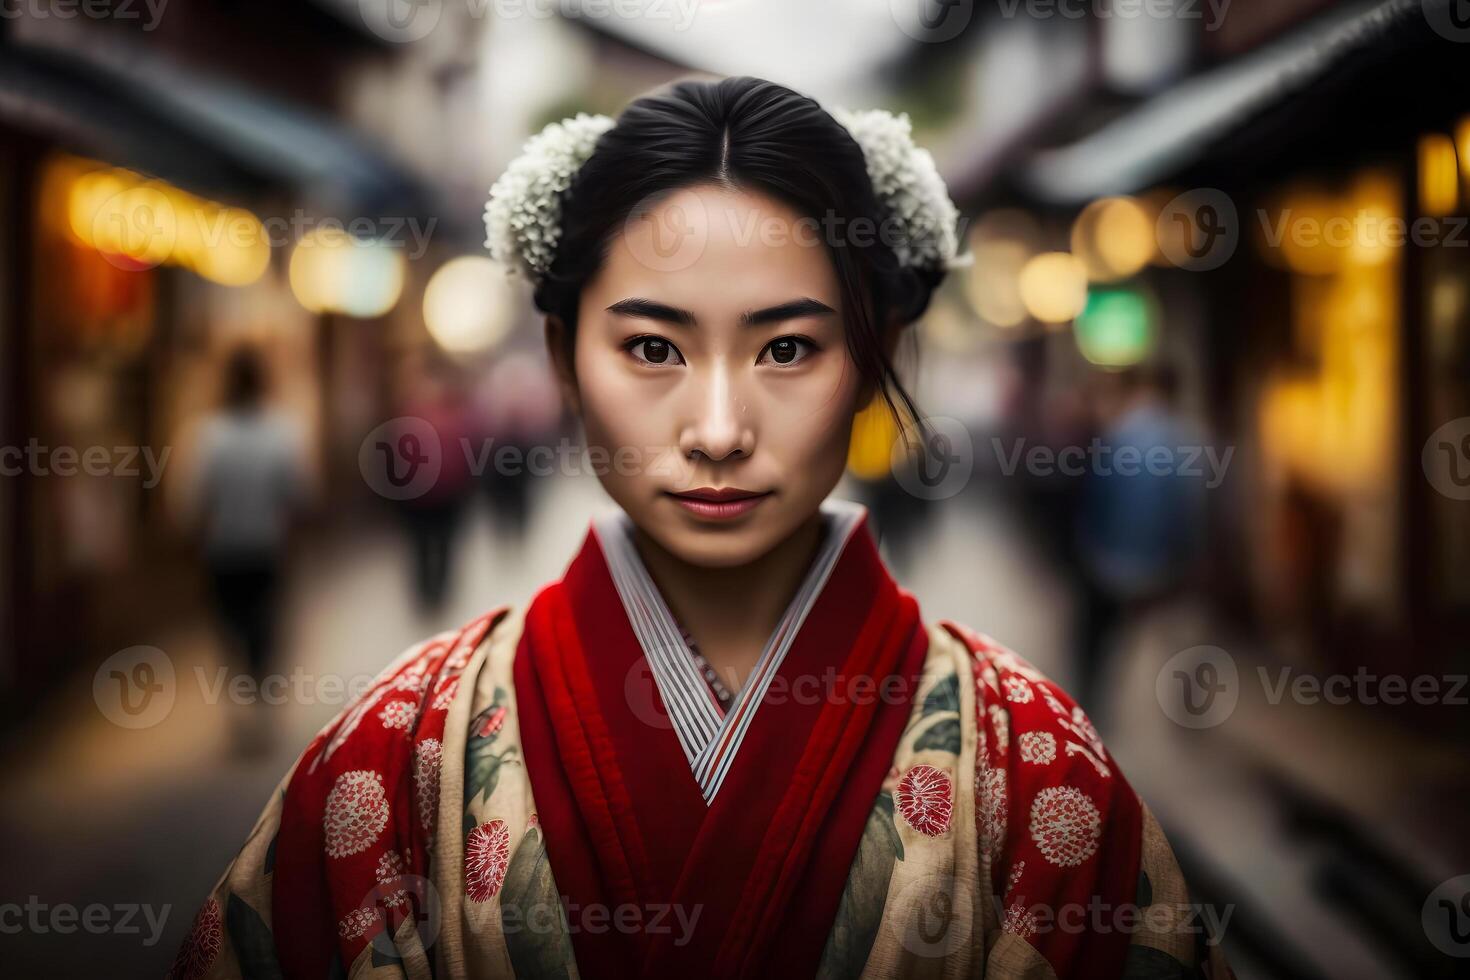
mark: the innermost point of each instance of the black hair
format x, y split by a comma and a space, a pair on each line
752, 134
245, 378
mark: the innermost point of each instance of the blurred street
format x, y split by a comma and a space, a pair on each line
243, 276
103, 815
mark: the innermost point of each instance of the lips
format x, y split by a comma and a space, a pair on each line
719, 503
718, 495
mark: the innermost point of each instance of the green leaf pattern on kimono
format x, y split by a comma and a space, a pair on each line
528, 898
482, 761
941, 711
255, 947
860, 912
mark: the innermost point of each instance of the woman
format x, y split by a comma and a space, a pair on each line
725, 743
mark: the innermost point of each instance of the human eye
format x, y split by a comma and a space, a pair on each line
788, 350
656, 351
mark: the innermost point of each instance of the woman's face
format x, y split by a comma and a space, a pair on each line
715, 361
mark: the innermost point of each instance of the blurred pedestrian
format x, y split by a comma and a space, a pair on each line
249, 481
519, 412
1139, 524
438, 397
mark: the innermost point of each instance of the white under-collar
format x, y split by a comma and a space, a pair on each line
711, 739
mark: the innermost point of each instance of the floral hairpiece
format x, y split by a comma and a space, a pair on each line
908, 186
523, 213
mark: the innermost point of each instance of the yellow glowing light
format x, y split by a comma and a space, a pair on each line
1306, 231
1379, 231
1114, 237
870, 450
470, 304
1001, 242
1439, 176
992, 285
151, 222
1053, 287
1462, 143
332, 271
239, 253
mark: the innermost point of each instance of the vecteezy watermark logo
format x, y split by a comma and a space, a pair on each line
90, 9
1205, 463
1450, 19
123, 919
639, 690
667, 235
1199, 230
400, 21
1446, 916
1198, 687
397, 899
40, 460
139, 227
1446, 459
400, 459
932, 21
941, 466
928, 914
134, 688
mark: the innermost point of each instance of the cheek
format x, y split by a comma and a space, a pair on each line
811, 424
613, 411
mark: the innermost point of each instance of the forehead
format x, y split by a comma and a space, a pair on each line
717, 252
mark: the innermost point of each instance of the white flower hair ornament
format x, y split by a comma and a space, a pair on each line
908, 186
523, 213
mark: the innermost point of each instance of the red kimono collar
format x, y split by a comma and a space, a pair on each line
761, 867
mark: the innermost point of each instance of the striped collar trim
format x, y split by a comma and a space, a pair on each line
709, 738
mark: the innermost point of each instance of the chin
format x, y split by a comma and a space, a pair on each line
716, 547
710, 544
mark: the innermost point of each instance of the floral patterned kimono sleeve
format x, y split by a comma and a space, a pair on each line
338, 877
1079, 877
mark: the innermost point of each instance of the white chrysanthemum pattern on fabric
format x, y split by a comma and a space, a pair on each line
389, 872
445, 697
355, 813
397, 714
426, 758
357, 922
1039, 748
1020, 921
1018, 691
1001, 723
993, 806
1066, 825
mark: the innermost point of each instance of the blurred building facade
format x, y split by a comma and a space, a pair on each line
1231, 194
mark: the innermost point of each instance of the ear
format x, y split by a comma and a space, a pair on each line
559, 351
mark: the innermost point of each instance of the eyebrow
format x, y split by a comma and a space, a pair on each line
652, 310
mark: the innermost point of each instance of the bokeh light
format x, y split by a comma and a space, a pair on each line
1053, 287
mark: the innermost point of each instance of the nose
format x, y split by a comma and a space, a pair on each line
719, 424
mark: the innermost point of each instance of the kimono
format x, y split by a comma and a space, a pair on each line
555, 791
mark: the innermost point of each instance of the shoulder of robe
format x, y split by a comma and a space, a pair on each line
1059, 828
1025, 716
417, 684
1048, 791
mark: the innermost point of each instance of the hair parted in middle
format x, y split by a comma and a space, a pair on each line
752, 134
